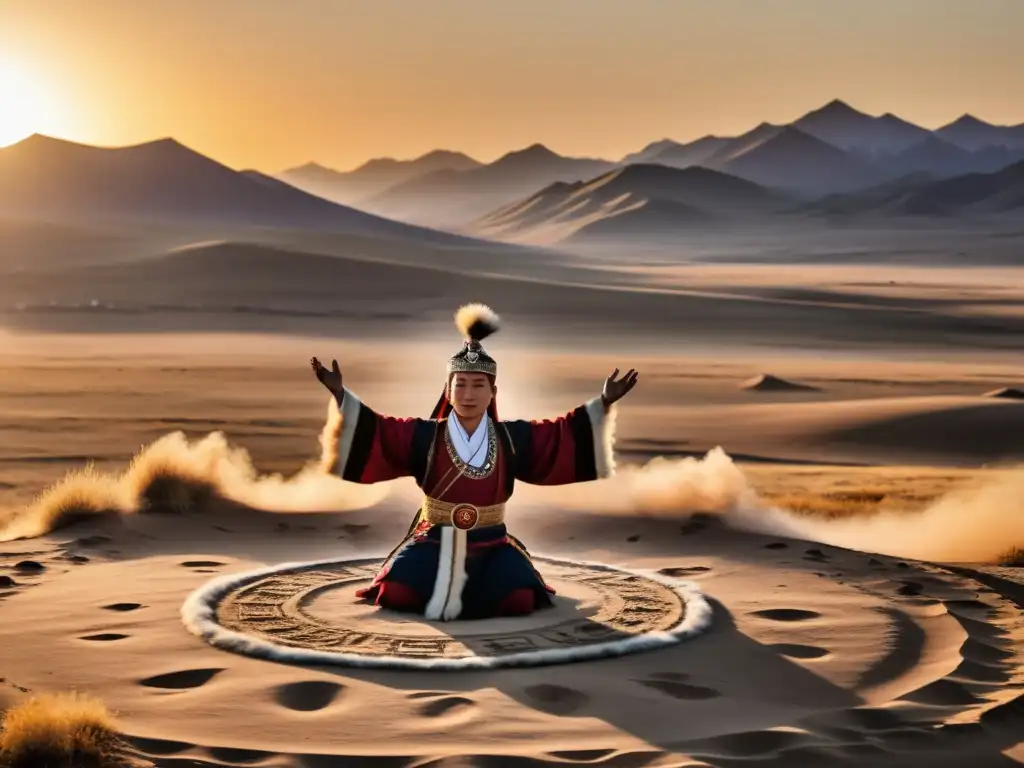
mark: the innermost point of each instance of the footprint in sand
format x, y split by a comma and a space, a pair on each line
681, 572
122, 607
237, 756
910, 589
201, 564
556, 699
796, 651
186, 678
786, 614
447, 706
308, 696
105, 637
678, 690
594, 756
158, 747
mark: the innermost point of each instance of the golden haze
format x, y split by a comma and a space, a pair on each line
342, 82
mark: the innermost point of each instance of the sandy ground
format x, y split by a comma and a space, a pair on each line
846, 538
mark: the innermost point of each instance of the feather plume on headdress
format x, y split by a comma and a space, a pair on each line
476, 321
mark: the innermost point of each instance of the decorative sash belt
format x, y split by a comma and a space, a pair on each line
462, 516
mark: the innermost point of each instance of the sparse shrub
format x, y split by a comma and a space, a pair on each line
60, 731
1013, 558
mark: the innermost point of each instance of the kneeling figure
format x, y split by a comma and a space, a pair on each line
458, 560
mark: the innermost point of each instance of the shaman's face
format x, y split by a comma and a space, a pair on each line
471, 394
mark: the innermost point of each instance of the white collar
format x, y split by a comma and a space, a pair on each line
470, 448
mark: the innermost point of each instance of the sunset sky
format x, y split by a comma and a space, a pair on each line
267, 84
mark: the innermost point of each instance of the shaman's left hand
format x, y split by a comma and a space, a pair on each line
616, 389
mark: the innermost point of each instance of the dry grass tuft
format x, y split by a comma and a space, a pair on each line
60, 731
840, 504
82, 495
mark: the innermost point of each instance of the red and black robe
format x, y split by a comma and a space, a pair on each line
464, 574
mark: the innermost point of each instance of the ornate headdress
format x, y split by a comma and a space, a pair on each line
475, 322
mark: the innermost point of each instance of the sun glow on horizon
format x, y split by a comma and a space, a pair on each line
27, 104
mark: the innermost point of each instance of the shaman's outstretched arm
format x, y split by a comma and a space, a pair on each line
362, 446
573, 448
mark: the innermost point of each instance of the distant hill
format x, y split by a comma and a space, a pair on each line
844, 127
870, 199
686, 155
374, 176
638, 200
649, 152
998, 192
971, 133
922, 195
875, 149
166, 182
741, 144
453, 199
934, 155
788, 158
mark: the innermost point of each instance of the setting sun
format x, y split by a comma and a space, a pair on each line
27, 105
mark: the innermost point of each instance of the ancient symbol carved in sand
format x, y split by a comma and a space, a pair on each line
277, 608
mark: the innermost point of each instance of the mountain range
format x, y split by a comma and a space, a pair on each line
832, 149
165, 183
833, 162
639, 199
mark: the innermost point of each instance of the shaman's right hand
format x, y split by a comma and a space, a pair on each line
329, 378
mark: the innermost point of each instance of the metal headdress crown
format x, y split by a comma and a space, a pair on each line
475, 322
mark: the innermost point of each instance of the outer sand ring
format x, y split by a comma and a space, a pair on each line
200, 615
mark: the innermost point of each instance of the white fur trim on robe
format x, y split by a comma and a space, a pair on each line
602, 423
338, 433
446, 601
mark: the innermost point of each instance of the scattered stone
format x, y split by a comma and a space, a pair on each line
768, 383
30, 566
634, 537
1006, 393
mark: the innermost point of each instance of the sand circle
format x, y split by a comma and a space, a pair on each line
308, 613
